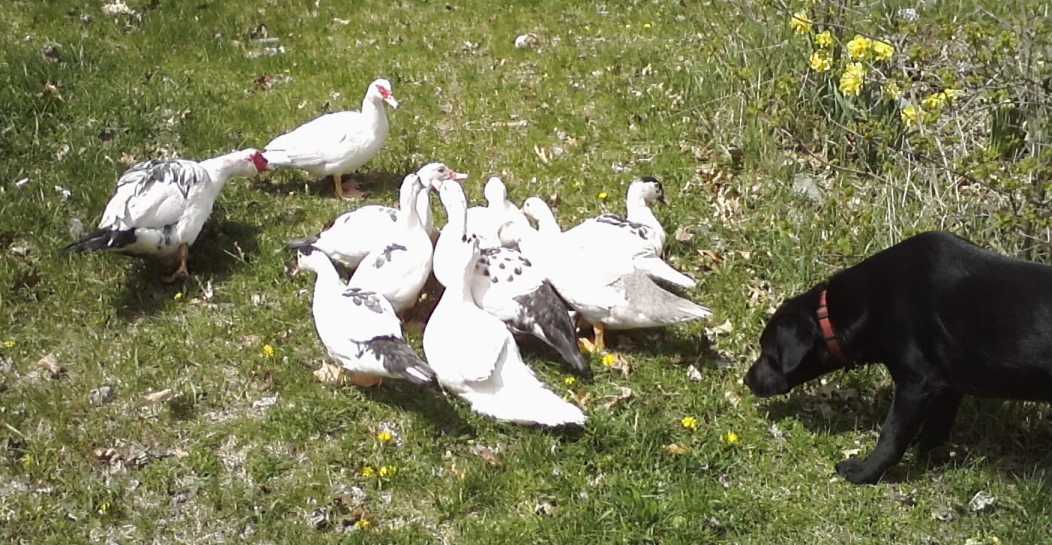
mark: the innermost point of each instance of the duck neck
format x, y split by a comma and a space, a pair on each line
423, 210
408, 217
327, 282
221, 169
374, 113
639, 212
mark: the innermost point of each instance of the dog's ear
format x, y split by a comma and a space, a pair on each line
796, 339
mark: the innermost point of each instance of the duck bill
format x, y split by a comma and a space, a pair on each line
391, 101
457, 176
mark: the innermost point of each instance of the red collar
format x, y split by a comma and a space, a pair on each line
826, 325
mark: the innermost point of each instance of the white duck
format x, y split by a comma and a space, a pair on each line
475, 356
484, 221
359, 328
505, 284
160, 206
605, 287
612, 235
338, 143
643, 193
398, 267
353, 234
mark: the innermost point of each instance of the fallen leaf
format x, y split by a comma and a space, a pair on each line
684, 234
943, 514
624, 395
50, 364
330, 374
487, 454
981, 501
693, 374
675, 449
159, 396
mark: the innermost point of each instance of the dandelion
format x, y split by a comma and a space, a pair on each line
387, 472
9, 343
363, 524
800, 23
385, 437
820, 61
178, 296
824, 40
689, 422
603, 195
368, 472
731, 438
267, 351
859, 47
569, 381
646, 26
882, 51
911, 115
609, 360
852, 79
892, 90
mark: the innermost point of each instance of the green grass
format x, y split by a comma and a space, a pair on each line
712, 97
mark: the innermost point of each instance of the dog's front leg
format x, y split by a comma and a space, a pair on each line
900, 427
941, 413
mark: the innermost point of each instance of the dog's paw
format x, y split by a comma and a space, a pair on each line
855, 470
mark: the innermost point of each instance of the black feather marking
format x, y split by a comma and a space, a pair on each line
399, 359
393, 214
546, 316
501, 266
361, 297
386, 256
518, 270
511, 278
102, 239
637, 229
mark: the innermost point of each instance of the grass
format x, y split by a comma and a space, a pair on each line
712, 97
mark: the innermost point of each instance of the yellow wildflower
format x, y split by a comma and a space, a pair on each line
385, 437
820, 61
800, 23
387, 471
911, 115
609, 360
367, 472
951, 94
267, 351
603, 195
852, 79
178, 296
363, 524
569, 381
689, 422
9, 343
882, 51
646, 26
731, 438
859, 47
892, 90
824, 39
935, 101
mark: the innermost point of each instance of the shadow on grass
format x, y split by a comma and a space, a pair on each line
1011, 437
372, 183
428, 402
222, 248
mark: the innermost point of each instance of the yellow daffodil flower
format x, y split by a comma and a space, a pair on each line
852, 79
800, 23
824, 40
859, 47
689, 422
820, 61
882, 51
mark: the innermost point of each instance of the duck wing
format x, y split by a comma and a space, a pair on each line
153, 194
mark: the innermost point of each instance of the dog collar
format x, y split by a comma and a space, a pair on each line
826, 325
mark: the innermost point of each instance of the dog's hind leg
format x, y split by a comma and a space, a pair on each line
936, 428
900, 427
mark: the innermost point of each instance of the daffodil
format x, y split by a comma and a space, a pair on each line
9, 343
609, 360
911, 115
731, 438
387, 471
267, 351
892, 90
569, 381
820, 61
882, 51
852, 79
689, 422
603, 195
824, 39
368, 472
800, 23
859, 47
385, 437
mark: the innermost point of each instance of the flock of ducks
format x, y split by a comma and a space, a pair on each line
502, 276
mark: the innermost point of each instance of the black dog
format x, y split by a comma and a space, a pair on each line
947, 319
